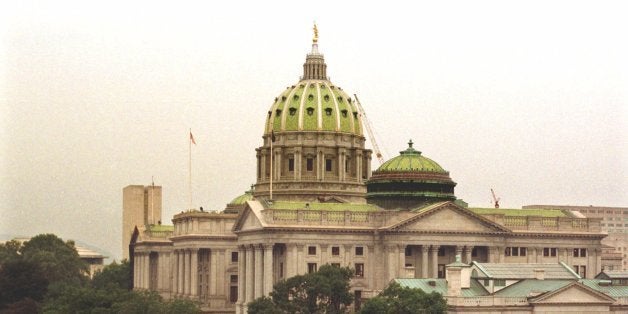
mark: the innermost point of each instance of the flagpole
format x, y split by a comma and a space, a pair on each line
271, 165
190, 171
152, 201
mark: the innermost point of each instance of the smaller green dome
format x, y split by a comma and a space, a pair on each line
410, 160
247, 196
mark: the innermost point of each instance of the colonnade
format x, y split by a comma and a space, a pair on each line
255, 272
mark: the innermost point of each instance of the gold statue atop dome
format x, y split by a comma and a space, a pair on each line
315, 38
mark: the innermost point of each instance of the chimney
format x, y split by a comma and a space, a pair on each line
539, 274
454, 281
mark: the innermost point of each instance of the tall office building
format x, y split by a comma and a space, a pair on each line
141, 206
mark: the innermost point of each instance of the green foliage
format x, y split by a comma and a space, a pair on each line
58, 260
113, 275
9, 251
21, 280
324, 291
403, 300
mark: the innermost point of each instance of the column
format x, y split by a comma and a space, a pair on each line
277, 167
500, 254
213, 272
392, 261
341, 164
258, 271
531, 255
187, 272
401, 264
370, 265
297, 163
425, 249
220, 273
468, 254
300, 266
358, 165
181, 266
147, 270
241, 274
291, 260
263, 165
539, 254
268, 269
318, 165
136, 271
249, 275
194, 273
434, 252
598, 263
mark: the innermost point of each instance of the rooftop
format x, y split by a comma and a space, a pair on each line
519, 212
285, 205
524, 270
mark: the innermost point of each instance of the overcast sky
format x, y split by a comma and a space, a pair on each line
529, 98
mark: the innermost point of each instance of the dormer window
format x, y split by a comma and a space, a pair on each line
310, 111
301, 85
310, 97
283, 98
293, 111
326, 97
295, 97
355, 114
328, 111
344, 113
340, 98
278, 112
311, 85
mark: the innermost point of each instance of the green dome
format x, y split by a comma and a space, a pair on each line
411, 160
313, 105
247, 196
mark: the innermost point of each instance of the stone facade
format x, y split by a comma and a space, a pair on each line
317, 213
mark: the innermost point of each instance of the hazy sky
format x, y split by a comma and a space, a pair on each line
529, 98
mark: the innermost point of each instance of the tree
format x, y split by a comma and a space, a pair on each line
324, 291
113, 275
58, 260
21, 280
403, 300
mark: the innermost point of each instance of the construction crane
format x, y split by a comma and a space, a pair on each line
369, 129
495, 199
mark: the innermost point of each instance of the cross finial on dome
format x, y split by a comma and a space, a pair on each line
410, 143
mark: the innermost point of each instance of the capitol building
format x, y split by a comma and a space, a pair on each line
317, 201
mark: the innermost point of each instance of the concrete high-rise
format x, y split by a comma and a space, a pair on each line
141, 206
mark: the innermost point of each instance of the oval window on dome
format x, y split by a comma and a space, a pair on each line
355, 114
340, 98
326, 97
278, 111
328, 111
310, 111
295, 97
310, 97
344, 113
283, 98
293, 111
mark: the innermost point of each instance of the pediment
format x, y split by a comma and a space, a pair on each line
450, 218
575, 292
249, 219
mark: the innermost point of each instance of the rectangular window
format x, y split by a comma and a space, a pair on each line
515, 251
347, 165
291, 164
550, 251
233, 294
311, 250
474, 252
280, 270
408, 251
359, 270
500, 282
328, 164
441, 270
357, 300
234, 257
309, 163
359, 251
441, 252
335, 264
579, 252
335, 250
311, 268
233, 278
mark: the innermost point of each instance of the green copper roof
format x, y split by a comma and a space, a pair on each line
313, 105
323, 206
411, 160
440, 286
614, 291
247, 196
519, 212
160, 228
528, 287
